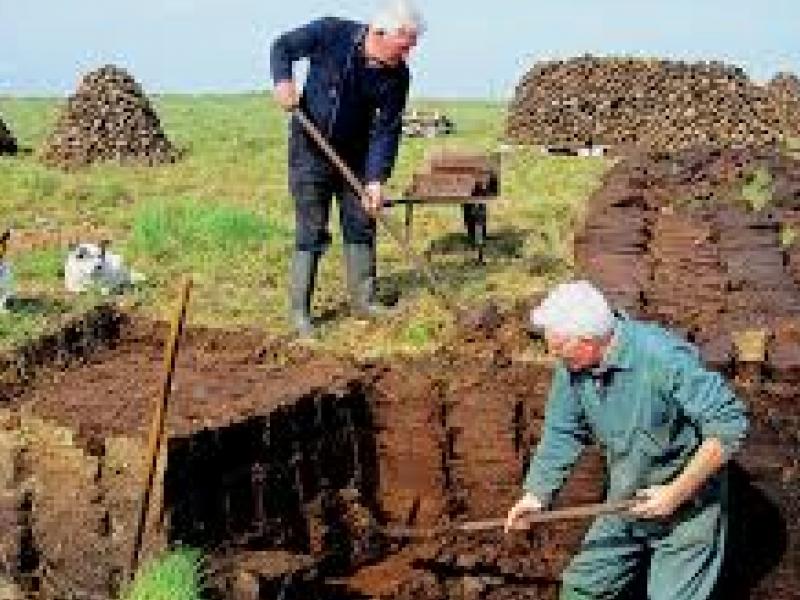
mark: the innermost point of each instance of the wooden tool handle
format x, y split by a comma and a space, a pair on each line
561, 514
582, 512
390, 226
315, 134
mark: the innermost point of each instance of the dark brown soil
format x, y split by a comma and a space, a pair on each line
220, 377
285, 478
306, 456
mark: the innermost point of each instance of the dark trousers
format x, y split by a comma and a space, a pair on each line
312, 205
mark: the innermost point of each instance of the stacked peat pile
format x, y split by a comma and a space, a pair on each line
8, 145
692, 255
680, 223
656, 105
109, 118
784, 89
451, 174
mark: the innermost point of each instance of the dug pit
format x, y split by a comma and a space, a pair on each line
280, 467
280, 473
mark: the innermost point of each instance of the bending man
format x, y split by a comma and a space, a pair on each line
667, 426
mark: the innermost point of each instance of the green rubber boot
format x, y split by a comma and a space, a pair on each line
360, 261
301, 289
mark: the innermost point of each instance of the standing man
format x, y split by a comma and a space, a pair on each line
667, 426
355, 92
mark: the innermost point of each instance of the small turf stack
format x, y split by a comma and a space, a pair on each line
642, 104
785, 90
8, 145
109, 118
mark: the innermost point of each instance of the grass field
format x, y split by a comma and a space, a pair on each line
223, 215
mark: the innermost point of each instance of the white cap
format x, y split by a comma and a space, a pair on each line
398, 14
575, 309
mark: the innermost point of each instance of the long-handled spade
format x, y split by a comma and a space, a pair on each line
472, 317
546, 516
159, 419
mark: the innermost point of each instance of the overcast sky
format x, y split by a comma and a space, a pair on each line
473, 48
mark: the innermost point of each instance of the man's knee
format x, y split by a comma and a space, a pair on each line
365, 237
312, 207
601, 585
592, 583
606, 564
358, 227
311, 235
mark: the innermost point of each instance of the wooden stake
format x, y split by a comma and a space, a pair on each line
4, 237
159, 419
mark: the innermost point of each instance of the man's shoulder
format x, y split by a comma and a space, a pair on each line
653, 343
339, 25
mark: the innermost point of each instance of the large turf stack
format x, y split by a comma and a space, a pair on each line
655, 105
109, 118
8, 145
785, 90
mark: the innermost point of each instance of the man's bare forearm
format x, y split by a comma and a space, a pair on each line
706, 462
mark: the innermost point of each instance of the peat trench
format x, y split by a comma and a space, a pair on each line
280, 472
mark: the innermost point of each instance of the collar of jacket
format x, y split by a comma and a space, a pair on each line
618, 356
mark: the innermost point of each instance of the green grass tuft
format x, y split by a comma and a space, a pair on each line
788, 236
160, 226
173, 576
418, 334
170, 228
44, 266
757, 191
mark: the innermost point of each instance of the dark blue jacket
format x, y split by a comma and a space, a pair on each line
357, 107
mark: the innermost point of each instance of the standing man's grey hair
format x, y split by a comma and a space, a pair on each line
398, 14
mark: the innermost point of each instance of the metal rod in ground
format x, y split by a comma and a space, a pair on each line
159, 418
419, 264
